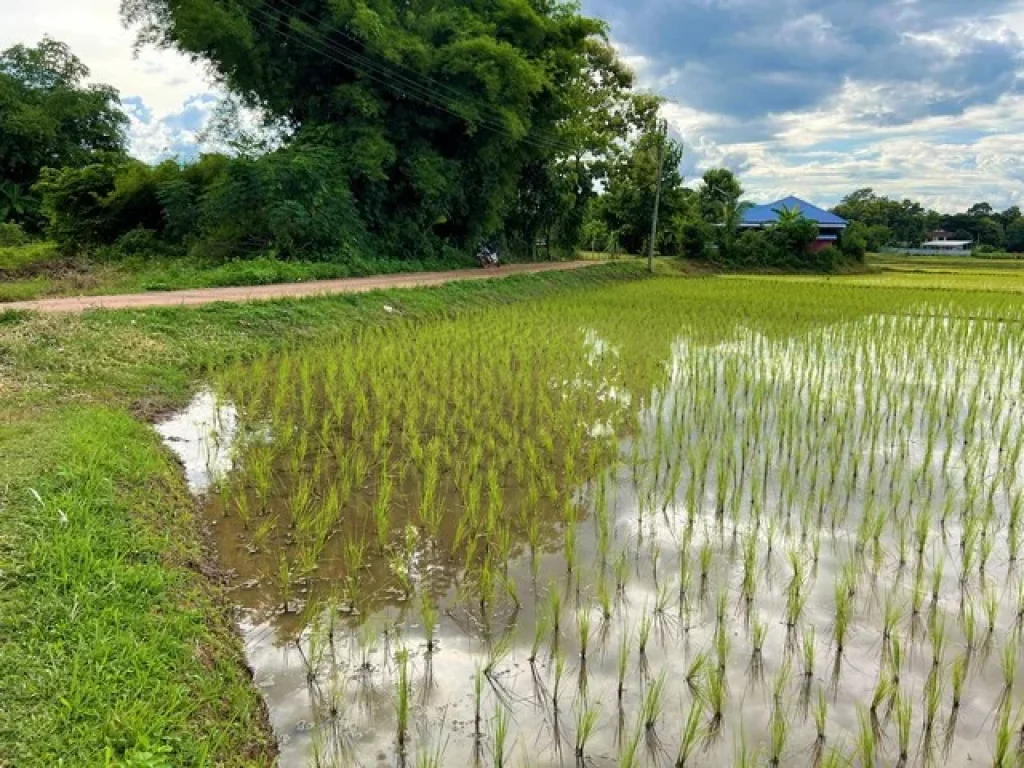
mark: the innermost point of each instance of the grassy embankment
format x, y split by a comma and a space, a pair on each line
36, 271
114, 647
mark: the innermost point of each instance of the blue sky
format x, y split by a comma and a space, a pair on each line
916, 98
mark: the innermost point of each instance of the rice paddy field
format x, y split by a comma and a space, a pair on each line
665, 523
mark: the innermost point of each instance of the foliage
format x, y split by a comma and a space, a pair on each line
293, 203
627, 204
11, 234
49, 117
719, 189
908, 223
431, 126
1015, 236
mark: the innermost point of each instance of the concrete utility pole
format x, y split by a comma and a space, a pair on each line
662, 131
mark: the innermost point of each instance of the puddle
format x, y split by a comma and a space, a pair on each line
202, 437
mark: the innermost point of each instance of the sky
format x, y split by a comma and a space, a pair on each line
914, 98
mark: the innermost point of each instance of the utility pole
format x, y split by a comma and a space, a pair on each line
662, 132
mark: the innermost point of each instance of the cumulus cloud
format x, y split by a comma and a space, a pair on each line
175, 134
918, 97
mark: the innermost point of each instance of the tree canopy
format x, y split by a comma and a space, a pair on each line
50, 117
906, 222
453, 118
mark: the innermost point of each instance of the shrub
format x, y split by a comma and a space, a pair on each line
140, 242
854, 243
72, 200
11, 234
294, 203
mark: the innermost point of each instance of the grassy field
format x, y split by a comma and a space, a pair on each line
116, 646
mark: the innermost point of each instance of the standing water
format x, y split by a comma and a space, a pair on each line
604, 530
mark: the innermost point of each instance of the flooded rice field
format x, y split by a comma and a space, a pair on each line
616, 530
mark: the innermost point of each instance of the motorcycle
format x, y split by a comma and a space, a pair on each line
488, 257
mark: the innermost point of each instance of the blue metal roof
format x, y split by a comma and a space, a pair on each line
760, 215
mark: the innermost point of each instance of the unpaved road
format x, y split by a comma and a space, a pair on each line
280, 291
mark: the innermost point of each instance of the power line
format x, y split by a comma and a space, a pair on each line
385, 76
396, 65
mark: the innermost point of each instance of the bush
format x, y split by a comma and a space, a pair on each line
854, 243
293, 204
12, 234
141, 242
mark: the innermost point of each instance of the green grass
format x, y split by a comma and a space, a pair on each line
17, 258
114, 645
114, 648
34, 271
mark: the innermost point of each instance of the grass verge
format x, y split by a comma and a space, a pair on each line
35, 271
115, 648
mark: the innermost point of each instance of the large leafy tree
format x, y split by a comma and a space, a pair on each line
441, 107
628, 201
50, 117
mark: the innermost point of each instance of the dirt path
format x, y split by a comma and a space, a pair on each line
282, 290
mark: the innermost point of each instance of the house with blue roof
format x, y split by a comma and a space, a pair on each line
830, 226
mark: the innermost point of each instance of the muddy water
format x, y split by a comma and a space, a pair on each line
329, 663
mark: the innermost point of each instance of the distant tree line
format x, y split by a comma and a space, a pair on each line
400, 132
700, 223
885, 221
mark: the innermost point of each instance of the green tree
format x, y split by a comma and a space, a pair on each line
719, 189
989, 232
49, 117
441, 117
628, 201
1015, 236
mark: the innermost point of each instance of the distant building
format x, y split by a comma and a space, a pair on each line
830, 226
950, 246
940, 234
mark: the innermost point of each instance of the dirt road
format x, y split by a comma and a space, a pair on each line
283, 290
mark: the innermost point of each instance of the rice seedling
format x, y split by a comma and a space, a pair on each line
695, 670
557, 685
1002, 754
866, 744
932, 701
715, 701
583, 632
502, 722
1008, 667
904, 721
644, 634
937, 634
628, 750
778, 734
691, 732
623, 663
586, 721
402, 705
478, 695
757, 635
820, 714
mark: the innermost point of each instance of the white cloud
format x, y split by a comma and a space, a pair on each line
166, 81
